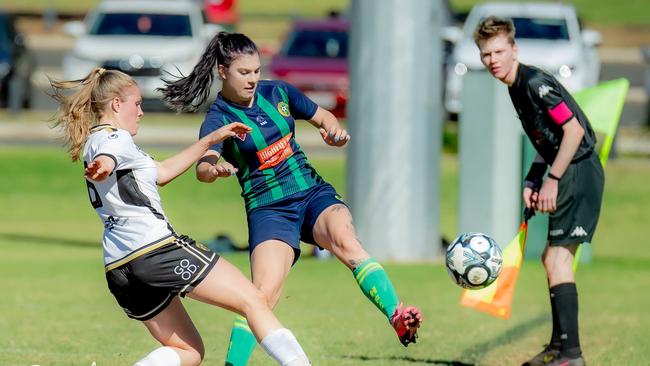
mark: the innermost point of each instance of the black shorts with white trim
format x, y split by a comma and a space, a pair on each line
145, 285
580, 194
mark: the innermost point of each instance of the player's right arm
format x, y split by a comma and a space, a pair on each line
100, 168
533, 181
208, 168
171, 168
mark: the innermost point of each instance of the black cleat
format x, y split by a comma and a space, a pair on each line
545, 357
565, 361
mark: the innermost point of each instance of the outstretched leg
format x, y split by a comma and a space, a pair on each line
334, 231
228, 288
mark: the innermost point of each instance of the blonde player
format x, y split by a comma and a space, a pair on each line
147, 263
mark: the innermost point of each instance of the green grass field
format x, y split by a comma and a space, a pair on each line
56, 309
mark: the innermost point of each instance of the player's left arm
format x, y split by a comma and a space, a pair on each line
329, 127
547, 92
304, 108
571, 139
573, 133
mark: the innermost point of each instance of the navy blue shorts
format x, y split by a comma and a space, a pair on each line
291, 219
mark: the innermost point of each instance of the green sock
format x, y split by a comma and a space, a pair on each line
376, 285
242, 343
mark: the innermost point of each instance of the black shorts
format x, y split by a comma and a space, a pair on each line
144, 286
580, 193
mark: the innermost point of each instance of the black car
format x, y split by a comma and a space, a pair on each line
16, 65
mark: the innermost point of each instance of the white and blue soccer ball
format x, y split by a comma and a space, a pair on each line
474, 260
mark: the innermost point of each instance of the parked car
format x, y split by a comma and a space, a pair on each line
548, 35
147, 39
16, 65
314, 58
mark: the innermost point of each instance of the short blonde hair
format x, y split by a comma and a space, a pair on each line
492, 26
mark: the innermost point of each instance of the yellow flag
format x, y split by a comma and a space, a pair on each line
496, 299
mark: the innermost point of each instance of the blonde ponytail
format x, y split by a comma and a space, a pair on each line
80, 111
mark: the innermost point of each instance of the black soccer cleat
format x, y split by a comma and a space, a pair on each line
543, 358
565, 361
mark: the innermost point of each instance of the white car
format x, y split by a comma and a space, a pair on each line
548, 36
147, 39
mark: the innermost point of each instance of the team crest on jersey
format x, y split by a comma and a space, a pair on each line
283, 108
275, 153
543, 90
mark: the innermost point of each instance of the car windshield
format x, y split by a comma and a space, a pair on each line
317, 43
541, 28
169, 25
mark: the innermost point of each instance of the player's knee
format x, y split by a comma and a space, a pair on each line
197, 356
344, 245
259, 299
548, 263
193, 355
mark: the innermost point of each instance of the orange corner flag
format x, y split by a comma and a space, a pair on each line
496, 299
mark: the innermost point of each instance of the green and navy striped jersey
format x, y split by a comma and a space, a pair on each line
271, 165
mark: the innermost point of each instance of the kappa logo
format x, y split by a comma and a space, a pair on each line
578, 231
544, 90
283, 108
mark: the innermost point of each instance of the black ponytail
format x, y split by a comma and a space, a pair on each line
186, 94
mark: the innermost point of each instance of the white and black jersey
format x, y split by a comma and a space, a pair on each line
127, 201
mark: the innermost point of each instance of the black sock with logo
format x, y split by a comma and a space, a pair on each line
565, 298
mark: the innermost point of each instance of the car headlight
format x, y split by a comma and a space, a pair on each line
156, 61
565, 71
460, 69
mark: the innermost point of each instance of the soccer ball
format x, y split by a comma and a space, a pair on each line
474, 260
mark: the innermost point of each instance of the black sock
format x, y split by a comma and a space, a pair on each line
555, 342
565, 298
